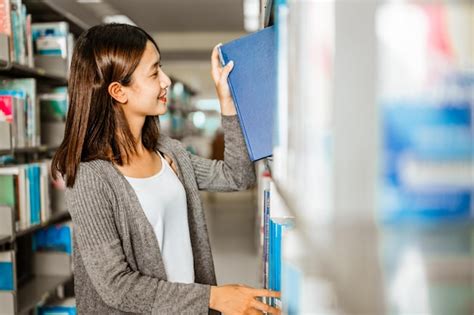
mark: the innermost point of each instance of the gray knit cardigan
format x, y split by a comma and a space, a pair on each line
118, 266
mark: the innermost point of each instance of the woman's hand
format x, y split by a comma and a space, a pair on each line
238, 299
219, 75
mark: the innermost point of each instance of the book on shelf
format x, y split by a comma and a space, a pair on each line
63, 307
5, 135
7, 271
26, 189
5, 19
53, 108
57, 238
51, 38
53, 45
428, 153
12, 112
16, 24
26, 90
7, 222
266, 233
253, 87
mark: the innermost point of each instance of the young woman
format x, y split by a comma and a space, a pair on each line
140, 236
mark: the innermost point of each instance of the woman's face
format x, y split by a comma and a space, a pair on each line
146, 95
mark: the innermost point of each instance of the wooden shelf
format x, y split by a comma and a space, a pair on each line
39, 149
5, 152
37, 289
79, 17
15, 70
55, 218
5, 239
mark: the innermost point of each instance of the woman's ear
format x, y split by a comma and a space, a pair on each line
116, 91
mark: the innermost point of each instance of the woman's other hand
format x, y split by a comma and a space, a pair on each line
238, 299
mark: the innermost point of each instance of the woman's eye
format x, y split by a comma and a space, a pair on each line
155, 74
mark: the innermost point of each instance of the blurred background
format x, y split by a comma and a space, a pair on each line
366, 206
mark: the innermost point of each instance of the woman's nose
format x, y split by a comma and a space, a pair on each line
165, 81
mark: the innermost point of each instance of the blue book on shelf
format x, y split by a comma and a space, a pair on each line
7, 271
64, 307
253, 87
32, 172
54, 238
274, 279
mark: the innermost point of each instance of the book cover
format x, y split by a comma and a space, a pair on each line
253, 87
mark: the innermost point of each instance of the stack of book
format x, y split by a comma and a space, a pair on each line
53, 108
27, 40
15, 22
29, 191
53, 45
19, 107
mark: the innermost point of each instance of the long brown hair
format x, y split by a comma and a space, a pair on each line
96, 128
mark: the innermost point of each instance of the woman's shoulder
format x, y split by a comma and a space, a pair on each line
93, 173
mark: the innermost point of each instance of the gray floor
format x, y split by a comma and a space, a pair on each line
231, 220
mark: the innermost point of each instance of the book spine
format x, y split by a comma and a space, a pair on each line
266, 238
5, 20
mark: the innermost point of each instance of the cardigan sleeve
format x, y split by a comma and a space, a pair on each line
235, 172
119, 286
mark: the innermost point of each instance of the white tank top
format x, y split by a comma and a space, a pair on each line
163, 200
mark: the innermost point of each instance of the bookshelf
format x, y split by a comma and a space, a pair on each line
20, 71
55, 218
37, 290
78, 18
39, 274
361, 244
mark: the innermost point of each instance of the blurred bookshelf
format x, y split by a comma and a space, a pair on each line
371, 176
35, 229
21, 71
37, 290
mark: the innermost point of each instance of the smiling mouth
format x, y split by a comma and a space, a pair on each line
163, 98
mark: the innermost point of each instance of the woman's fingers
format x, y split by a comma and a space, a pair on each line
215, 64
226, 70
265, 307
267, 293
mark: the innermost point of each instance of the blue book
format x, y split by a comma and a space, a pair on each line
64, 307
54, 238
7, 271
253, 87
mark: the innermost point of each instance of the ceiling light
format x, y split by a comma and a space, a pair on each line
89, 1
118, 19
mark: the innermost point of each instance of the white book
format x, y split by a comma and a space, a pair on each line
5, 136
44, 186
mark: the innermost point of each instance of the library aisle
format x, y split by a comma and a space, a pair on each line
358, 117
231, 218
